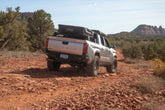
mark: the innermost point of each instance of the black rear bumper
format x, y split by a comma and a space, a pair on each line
72, 59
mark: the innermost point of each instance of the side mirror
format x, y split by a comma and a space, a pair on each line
55, 33
112, 46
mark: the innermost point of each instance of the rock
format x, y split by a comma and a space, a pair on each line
20, 88
68, 108
66, 79
145, 97
51, 93
27, 76
46, 108
83, 88
117, 93
140, 98
126, 96
4, 90
17, 108
50, 90
163, 93
2, 78
31, 89
137, 100
113, 74
149, 30
106, 75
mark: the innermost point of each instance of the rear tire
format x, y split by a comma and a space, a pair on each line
93, 68
112, 68
52, 65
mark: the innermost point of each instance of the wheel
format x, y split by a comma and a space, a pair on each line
52, 65
93, 68
112, 68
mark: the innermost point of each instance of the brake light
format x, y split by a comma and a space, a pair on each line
85, 49
46, 45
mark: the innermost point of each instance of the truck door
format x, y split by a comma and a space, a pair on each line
108, 52
104, 51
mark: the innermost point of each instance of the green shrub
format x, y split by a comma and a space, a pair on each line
150, 51
132, 51
161, 53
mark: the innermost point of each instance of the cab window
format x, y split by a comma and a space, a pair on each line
106, 43
96, 38
102, 40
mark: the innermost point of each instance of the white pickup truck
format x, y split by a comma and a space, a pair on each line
71, 46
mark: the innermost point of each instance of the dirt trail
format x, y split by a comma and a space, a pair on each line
27, 84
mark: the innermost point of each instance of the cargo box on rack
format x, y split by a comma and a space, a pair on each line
75, 32
100, 33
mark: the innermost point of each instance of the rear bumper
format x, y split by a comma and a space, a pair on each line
72, 59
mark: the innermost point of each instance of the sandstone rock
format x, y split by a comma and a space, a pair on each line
113, 74
83, 88
2, 78
149, 30
27, 76
137, 100
126, 96
117, 93
17, 108
20, 88
140, 98
145, 97
106, 75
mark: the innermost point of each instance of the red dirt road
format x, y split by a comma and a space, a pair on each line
25, 84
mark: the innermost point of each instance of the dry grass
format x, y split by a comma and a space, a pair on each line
150, 84
152, 105
144, 64
130, 60
139, 63
18, 54
159, 68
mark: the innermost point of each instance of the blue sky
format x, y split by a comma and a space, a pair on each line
109, 16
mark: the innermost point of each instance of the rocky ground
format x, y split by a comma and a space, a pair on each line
25, 84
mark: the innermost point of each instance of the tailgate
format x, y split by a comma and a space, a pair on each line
65, 45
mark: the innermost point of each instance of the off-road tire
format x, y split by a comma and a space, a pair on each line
93, 68
53, 65
112, 68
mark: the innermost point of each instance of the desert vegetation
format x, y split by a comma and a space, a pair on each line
146, 48
25, 34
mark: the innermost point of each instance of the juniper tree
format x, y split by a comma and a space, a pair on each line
12, 31
40, 26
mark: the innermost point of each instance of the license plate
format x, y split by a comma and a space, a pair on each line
64, 56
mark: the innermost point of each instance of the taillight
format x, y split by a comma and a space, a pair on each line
46, 45
85, 49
